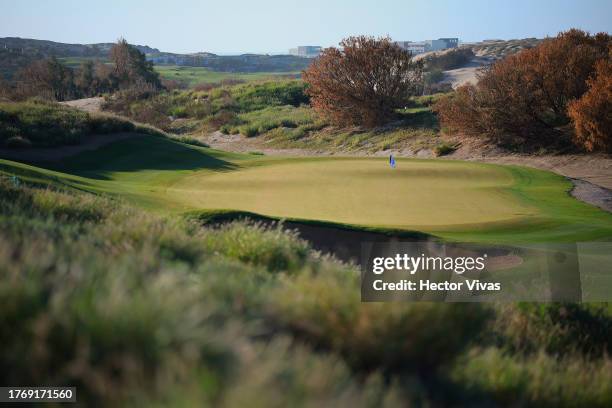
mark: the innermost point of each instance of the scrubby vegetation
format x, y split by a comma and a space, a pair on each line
38, 123
592, 113
136, 308
503, 48
52, 80
211, 109
450, 59
363, 82
523, 99
279, 112
444, 148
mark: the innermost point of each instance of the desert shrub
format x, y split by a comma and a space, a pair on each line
190, 141
153, 112
214, 108
592, 113
48, 124
451, 59
44, 123
539, 380
257, 244
523, 98
54, 205
433, 77
444, 148
205, 86
303, 383
178, 111
438, 87
231, 81
259, 96
198, 109
268, 125
325, 309
250, 130
104, 329
103, 124
171, 84
362, 83
224, 117
288, 123
298, 133
556, 328
427, 100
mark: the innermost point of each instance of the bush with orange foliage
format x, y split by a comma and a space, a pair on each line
592, 114
363, 82
523, 99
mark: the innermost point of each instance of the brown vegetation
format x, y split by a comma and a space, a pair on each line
592, 114
449, 59
523, 98
363, 82
51, 80
48, 79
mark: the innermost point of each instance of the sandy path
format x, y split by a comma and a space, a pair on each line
87, 104
467, 73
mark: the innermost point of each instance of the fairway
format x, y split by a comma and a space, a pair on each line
450, 199
192, 76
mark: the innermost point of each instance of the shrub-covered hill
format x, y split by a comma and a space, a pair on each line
135, 308
277, 110
38, 123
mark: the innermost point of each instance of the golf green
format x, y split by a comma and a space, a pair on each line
451, 199
416, 194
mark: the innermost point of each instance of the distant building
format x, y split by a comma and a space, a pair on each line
413, 47
450, 42
306, 51
420, 47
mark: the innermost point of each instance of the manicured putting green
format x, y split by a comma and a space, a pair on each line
451, 199
416, 194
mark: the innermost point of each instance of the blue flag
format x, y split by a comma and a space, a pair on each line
392, 161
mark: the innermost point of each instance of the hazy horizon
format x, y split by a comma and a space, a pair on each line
273, 26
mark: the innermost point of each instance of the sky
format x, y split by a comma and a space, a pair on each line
274, 26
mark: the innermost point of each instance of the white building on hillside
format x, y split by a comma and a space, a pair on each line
306, 51
421, 47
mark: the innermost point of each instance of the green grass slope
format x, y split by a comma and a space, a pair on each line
192, 76
450, 199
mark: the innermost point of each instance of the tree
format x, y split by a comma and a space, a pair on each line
85, 78
131, 66
363, 82
523, 98
592, 113
48, 79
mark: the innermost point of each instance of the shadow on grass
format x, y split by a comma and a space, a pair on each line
141, 153
342, 240
419, 118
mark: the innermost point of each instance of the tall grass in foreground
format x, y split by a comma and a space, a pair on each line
138, 309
